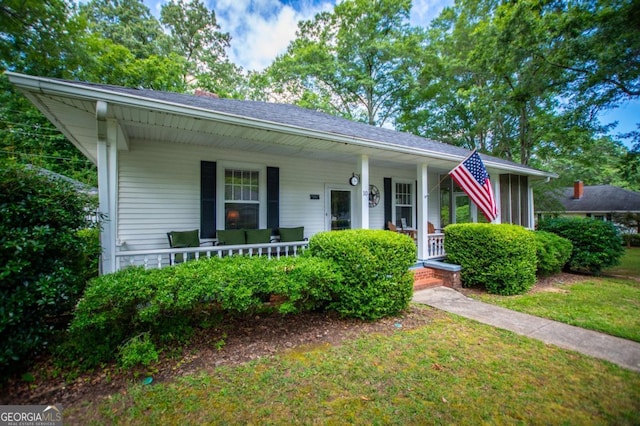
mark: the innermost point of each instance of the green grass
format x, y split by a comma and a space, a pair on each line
629, 265
454, 371
608, 305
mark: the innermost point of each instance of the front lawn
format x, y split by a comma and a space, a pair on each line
629, 264
609, 305
452, 371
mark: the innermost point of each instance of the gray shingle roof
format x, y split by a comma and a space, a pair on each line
600, 198
300, 117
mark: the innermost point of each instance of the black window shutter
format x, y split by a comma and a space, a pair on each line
207, 199
387, 194
273, 197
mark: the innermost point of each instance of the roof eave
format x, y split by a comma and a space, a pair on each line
59, 87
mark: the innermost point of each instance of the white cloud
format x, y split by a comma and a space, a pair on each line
424, 11
261, 29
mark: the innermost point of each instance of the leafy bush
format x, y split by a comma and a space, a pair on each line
596, 244
552, 252
42, 259
169, 303
91, 255
502, 258
139, 350
376, 281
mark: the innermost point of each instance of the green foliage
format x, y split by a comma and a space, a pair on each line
552, 252
502, 258
139, 350
376, 281
355, 61
521, 80
92, 252
43, 259
596, 244
169, 303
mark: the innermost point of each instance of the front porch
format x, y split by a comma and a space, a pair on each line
171, 162
160, 258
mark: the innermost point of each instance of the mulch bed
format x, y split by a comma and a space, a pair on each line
236, 341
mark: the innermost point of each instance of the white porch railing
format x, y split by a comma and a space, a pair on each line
159, 258
435, 246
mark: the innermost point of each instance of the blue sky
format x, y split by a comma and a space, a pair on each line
262, 29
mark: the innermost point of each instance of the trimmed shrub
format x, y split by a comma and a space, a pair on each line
167, 304
42, 259
376, 281
552, 252
502, 258
596, 244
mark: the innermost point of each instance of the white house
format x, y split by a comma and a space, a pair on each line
169, 162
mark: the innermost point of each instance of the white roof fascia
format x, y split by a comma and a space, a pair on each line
57, 87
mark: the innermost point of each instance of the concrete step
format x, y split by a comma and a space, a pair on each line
423, 283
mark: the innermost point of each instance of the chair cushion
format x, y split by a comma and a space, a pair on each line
291, 234
180, 239
231, 237
258, 236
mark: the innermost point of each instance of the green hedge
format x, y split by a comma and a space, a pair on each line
376, 281
502, 258
596, 244
44, 260
552, 252
167, 304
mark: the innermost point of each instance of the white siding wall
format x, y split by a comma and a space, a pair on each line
159, 190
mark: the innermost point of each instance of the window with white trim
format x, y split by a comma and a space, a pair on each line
241, 198
404, 204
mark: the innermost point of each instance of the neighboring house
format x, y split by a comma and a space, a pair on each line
79, 186
601, 202
169, 161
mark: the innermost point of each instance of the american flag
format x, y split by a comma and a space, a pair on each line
473, 178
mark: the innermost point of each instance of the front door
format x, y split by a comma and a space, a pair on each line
339, 209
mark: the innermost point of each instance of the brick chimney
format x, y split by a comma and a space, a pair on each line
578, 189
204, 93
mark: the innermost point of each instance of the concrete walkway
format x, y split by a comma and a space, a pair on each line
623, 352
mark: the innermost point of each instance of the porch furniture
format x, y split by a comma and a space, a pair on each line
413, 233
244, 236
430, 228
291, 234
231, 237
182, 239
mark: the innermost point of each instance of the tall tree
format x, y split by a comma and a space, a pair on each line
196, 36
513, 77
355, 61
128, 23
38, 37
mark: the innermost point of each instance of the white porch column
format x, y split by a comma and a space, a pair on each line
498, 198
532, 210
422, 208
363, 204
107, 178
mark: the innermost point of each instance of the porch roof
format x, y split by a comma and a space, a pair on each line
279, 129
